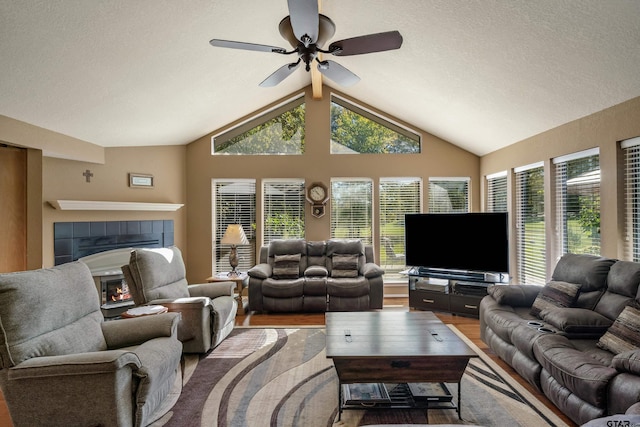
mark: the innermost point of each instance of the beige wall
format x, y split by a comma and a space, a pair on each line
603, 130
63, 179
51, 143
438, 158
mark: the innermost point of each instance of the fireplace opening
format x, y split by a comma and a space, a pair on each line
116, 291
115, 295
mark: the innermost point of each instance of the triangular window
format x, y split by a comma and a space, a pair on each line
278, 131
355, 130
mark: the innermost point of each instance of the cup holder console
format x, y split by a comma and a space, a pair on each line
546, 330
534, 323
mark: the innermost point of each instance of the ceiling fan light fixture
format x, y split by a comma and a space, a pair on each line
326, 30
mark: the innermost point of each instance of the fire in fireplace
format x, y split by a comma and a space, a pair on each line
115, 290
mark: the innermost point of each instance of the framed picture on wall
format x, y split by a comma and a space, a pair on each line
140, 180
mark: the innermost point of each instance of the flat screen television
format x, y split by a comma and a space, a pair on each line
476, 242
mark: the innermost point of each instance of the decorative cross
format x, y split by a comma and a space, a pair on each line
87, 174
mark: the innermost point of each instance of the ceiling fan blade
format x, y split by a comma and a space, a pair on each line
245, 46
280, 74
304, 19
367, 44
339, 74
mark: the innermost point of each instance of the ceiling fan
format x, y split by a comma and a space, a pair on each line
307, 31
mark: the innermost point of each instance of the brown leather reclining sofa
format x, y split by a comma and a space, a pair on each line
315, 276
575, 339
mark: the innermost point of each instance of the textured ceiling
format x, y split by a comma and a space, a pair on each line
481, 74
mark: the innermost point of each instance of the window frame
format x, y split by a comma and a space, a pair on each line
368, 227
433, 208
255, 121
565, 235
246, 253
497, 191
526, 269
300, 202
396, 237
631, 154
374, 117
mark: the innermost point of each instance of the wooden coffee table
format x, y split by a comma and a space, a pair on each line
395, 347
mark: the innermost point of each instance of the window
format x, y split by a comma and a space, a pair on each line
234, 202
279, 131
398, 196
351, 209
578, 203
531, 250
356, 131
497, 192
448, 195
631, 149
283, 209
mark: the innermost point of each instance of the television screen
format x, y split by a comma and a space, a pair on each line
464, 241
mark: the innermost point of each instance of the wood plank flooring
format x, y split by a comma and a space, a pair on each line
468, 326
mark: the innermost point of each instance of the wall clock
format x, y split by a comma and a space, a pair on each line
318, 196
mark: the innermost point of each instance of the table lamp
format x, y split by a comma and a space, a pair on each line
234, 236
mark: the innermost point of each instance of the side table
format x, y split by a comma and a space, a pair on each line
242, 282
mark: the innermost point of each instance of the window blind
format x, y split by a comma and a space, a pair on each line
631, 149
530, 225
283, 209
497, 192
449, 195
398, 196
234, 202
578, 203
351, 209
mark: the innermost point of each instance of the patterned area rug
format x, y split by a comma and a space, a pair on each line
281, 377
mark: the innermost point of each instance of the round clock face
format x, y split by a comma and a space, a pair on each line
317, 193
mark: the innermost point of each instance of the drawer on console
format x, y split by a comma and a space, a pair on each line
468, 305
427, 300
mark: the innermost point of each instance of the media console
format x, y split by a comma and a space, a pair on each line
457, 292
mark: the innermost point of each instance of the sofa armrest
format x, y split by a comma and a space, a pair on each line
128, 332
370, 270
628, 361
260, 271
576, 320
212, 290
98, 362
514, 295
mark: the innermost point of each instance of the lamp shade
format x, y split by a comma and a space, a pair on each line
234, 235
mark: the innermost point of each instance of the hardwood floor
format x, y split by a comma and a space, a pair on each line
470, 327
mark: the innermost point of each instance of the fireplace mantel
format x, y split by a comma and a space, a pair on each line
90, 205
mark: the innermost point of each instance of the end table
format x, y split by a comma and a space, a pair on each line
242, 282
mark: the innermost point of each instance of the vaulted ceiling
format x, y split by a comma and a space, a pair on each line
482, 74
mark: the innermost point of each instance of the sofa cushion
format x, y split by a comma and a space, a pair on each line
316, 271
573, 369
589, 270
344, 246
158, 273
624, 278
286, 266
555, 294
576, 320
286, 288
624, 334
344, 265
